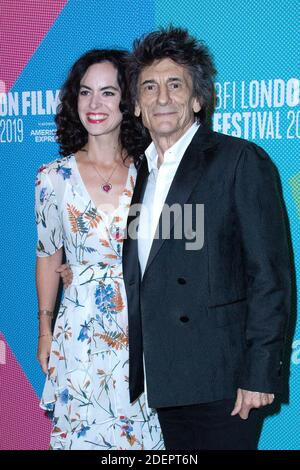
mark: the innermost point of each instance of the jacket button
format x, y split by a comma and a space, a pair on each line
181, 280
184, 319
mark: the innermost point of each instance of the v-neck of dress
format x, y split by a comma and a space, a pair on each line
108, 215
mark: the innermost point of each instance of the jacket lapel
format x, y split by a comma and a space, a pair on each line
188, 174
130, 251
141, 182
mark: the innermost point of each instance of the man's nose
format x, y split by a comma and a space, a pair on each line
163, 95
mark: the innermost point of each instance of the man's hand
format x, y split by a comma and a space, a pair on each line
247, 400
66, 274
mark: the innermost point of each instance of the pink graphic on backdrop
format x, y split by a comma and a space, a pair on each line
24, 425
23, 25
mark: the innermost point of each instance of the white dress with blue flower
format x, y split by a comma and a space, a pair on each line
86, 388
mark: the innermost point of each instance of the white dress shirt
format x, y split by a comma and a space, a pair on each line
158, 185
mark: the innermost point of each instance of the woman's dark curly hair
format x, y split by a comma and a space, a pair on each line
176, 44
71, 134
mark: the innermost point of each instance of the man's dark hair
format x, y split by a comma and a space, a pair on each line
176, 44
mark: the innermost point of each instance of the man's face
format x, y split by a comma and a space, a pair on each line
165, 99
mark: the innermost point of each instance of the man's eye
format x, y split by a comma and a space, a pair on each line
150, 87
174, 86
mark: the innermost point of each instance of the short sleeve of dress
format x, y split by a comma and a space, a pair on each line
49, 228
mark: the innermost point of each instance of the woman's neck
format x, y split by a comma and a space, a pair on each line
104, 150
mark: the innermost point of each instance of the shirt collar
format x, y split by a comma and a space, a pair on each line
174, 153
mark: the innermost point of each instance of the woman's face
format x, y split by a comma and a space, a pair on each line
99, 100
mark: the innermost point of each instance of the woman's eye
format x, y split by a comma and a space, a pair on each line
83, 92
108, 93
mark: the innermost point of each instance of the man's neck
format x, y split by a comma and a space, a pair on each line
164, 142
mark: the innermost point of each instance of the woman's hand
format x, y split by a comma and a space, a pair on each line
66, 274
44, 348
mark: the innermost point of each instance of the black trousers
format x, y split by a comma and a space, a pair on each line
209, 426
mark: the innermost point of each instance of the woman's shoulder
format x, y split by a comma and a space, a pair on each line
57, 165
61, 167
57, 171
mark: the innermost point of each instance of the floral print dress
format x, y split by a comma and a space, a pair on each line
86, 389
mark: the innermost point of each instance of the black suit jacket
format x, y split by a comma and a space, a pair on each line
212, 320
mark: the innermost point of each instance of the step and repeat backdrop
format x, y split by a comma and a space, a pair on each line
256, 50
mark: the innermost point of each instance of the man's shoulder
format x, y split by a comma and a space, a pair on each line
226, 151
231, 141
206, 137
233, 147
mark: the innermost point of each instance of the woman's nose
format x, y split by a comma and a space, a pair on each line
95, 101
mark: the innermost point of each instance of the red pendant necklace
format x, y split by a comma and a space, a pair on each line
106, 186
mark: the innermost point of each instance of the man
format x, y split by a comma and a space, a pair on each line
206, 325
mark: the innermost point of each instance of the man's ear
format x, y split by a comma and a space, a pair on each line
196, 105
137, 110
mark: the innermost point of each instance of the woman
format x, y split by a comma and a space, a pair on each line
82, 202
